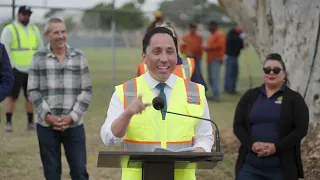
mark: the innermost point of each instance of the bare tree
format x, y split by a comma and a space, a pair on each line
290, 28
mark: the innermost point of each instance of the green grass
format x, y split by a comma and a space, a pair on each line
19, 153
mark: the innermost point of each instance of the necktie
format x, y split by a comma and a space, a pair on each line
161, 86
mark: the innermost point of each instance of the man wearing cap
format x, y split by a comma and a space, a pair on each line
21, 40
191, 45
158, 19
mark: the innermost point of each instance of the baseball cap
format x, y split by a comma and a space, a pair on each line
24, 9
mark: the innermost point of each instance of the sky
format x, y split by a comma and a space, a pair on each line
5, 12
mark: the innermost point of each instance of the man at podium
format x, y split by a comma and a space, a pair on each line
131, 119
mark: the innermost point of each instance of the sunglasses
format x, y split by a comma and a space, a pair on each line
275, 70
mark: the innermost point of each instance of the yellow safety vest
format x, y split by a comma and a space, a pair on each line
147, 131
23, 45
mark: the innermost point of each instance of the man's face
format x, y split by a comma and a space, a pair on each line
57, 35
24, 17
193, 29
212, 27
160, 56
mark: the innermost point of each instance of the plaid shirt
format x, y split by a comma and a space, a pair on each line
59, 88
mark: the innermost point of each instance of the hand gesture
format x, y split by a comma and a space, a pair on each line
137, 106
58, 123
54, 121
263, 149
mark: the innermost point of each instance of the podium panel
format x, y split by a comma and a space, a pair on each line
159, 165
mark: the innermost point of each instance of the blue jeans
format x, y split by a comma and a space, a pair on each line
231, 74
261, 168
73, 140
214, 78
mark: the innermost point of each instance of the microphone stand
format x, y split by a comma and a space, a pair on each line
217, 134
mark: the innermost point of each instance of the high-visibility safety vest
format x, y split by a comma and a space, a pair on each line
185, 70
23, 45
147, 130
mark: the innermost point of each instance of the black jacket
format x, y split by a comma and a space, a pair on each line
293, 127
6, 73
234, 43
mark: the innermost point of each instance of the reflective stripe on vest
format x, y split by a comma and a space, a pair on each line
186, 68
130, 92
192, 92
145, 146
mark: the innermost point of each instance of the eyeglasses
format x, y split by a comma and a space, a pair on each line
267, 70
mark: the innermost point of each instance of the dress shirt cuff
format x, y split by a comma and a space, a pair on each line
44, 114
205, 142
74, 116
203, 145
117, 139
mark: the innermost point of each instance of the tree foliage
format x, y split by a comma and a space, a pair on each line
200, 11
128, 16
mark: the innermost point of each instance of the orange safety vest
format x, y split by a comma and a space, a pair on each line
184, 70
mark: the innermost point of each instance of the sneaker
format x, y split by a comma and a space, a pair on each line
30, 126
8, 127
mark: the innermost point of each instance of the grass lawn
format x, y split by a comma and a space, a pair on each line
19, 153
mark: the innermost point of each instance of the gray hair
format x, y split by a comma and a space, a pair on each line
51, 20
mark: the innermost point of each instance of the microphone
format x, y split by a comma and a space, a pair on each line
158, 104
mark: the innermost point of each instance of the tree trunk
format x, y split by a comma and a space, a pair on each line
290, 28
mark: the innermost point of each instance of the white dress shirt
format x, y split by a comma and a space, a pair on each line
204, 137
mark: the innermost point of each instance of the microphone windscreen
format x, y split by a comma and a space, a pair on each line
158, 103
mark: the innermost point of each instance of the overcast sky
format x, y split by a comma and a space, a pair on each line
5, 12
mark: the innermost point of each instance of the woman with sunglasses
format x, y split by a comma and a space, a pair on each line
270, 122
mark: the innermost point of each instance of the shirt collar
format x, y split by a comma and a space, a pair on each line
69, 53
263, 88
153, 83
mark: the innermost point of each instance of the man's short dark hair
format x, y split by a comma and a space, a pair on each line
147, 37
213, 23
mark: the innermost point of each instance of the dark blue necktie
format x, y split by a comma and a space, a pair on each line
161, 86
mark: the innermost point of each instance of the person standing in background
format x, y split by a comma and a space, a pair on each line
215, 50
60, 88
6, 74
234, 45
191, 45
158, 20
21, 39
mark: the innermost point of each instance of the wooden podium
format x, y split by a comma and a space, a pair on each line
159, 165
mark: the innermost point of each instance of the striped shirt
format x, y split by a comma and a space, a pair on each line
59, 88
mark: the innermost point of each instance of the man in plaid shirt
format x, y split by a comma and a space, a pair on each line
59, 86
